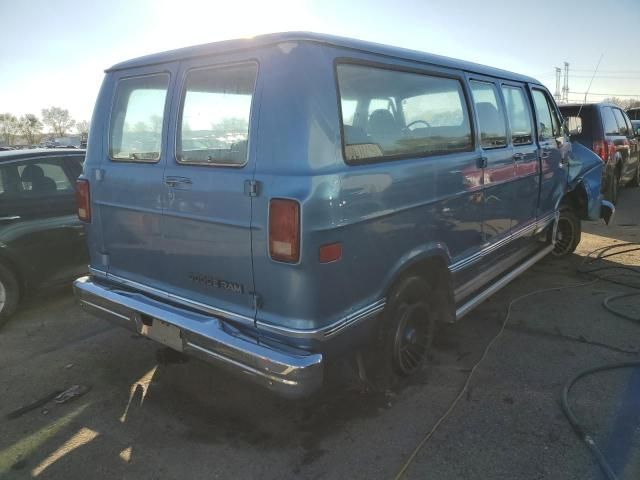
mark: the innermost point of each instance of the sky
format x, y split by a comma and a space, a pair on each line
53, 53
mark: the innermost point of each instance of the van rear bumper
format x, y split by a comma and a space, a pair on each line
289, 374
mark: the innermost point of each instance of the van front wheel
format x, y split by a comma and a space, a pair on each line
405, 333
568, 234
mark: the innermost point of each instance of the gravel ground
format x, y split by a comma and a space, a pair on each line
144, 420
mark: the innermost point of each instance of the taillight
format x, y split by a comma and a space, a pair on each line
601, 149
284, 230
605, 149
83, 200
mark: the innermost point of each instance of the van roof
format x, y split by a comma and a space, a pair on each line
343, 42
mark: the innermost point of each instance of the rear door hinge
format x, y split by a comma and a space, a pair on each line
251, 188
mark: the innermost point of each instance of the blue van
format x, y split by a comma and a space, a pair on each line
266, 204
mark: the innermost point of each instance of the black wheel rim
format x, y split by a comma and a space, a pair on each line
413, 338
565, 236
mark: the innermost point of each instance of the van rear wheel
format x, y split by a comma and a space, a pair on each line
405, 334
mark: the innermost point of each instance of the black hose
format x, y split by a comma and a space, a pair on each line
571, 417
577, 427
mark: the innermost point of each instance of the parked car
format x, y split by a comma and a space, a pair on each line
42, 242
633, 113
606, 129
342, 196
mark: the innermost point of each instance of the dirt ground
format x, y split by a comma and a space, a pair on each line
145, 420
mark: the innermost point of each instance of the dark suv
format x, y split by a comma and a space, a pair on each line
41, 240
633, 113
606, 129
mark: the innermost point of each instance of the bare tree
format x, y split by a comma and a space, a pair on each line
58, 119
30, 128
82, 127
9, 127
623, 103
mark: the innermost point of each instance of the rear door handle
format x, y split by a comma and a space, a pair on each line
545, 154
518, 156
177, 182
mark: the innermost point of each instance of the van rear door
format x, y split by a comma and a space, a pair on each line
128, 187
207, 181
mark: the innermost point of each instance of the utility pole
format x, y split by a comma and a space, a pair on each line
565, 88
557, 94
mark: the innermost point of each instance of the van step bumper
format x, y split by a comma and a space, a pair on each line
289, 374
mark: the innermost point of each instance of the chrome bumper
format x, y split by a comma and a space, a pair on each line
286, 373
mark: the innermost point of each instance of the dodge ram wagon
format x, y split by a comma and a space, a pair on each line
267, 204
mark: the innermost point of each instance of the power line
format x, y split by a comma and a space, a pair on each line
608, 94
606, 71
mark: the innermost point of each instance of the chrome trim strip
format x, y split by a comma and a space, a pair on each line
209, 309
536, 227
472, 303
331, 330
103, 309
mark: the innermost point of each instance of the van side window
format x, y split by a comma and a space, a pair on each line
135, 134
609, 121
214, 126
492, 124
407, 114
548, 122
519, 116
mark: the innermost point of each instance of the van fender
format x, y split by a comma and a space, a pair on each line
584, 194
418, 260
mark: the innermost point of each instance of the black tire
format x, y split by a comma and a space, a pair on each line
569, 232
635, 182
404, 335
9, 294
612, 188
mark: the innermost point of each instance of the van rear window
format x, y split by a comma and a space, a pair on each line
215, 115
389, 114
136, 120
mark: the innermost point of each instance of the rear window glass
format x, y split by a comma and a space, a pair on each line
609, 122
622, 124
215, 115
388, 113
491, 121
137, 118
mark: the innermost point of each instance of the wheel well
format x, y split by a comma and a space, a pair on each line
436, 272
11, 266
577, 200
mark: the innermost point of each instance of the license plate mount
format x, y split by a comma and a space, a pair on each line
164, 333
